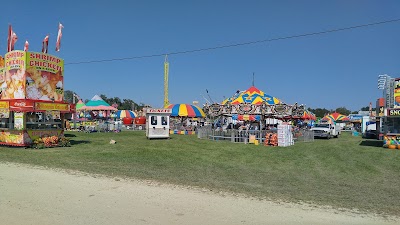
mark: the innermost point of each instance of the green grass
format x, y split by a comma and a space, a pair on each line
347, 172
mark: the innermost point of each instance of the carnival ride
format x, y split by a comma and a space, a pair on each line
254, 104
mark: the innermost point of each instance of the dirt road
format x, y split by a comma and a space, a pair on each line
42, 196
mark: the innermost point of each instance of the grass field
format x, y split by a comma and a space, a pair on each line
347, 172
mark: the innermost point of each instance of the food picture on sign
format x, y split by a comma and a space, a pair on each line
12, 81
12, 84
397, 93
44, 85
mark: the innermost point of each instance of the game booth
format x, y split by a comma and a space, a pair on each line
31, 103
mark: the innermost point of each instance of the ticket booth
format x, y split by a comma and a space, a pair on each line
157, 123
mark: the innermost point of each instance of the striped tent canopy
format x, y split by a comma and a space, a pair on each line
79, 105
186, 110
253, 96
335, 117
97, 103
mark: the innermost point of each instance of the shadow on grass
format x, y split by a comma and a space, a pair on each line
372, 143
73, 142
69, 135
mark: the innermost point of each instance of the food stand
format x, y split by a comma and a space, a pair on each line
31, 103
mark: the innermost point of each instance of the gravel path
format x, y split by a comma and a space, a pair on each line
31, 195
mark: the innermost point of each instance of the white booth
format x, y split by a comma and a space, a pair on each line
157, 123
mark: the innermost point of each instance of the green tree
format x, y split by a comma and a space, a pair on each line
366, 108
343, 110
125, 104
68, 95
319, 112
128, 104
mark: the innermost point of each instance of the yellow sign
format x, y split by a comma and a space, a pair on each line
51, 106
35, 134
15, 60
45, 62
12, 137
44, 77
12, 80
4, 105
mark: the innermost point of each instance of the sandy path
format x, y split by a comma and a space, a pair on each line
39, 196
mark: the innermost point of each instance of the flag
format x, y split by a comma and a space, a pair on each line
12, 39
58, 43
26, 46
45, 44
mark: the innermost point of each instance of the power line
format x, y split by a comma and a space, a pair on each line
238, 44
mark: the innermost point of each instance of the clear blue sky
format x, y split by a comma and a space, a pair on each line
328, 71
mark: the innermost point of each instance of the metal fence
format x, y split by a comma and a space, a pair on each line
100, 127
243, 136
303, 135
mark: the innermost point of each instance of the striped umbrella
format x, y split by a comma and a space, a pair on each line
186, 110
125, 113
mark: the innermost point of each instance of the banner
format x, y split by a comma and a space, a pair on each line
397, 93
14, 137
4, 109
44, 77
4, 113
12, 80
43, 106
35, 134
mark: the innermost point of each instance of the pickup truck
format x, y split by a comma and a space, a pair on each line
326, 130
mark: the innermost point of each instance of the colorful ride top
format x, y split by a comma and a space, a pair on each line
254, 102
251, 96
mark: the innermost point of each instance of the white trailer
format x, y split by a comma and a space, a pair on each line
157, 123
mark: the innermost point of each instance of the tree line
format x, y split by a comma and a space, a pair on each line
321, 112
129, 104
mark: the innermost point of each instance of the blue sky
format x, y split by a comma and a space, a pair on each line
328, 71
